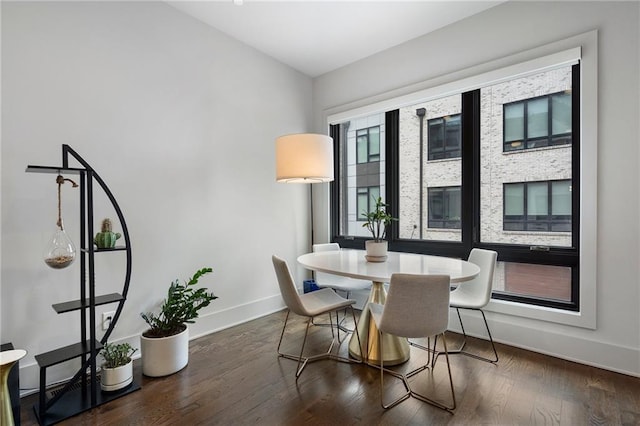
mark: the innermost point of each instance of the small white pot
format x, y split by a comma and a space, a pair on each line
376, 251
164, 355
112, 379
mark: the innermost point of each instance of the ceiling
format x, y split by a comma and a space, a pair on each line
316, 37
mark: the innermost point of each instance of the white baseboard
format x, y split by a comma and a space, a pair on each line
608, 356
621, 359
206, 324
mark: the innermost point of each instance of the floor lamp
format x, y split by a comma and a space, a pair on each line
304, 158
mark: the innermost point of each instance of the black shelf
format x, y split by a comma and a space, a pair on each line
75, 402
74, 305
82, 392
54, 170
98, 250
66, 353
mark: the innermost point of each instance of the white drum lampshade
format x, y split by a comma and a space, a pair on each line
304, 158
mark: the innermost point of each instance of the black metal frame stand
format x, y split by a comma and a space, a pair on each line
82, 392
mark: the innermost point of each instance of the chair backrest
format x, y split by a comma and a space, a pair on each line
323, 279
416, 305
478, 291
326, 247
288, 289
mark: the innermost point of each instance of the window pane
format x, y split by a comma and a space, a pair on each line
561, 198
514, 199
504, 216
561, 113
363, 200
436, 139
436, 208
423, 212
362, 148
357, 174
546, 281
514, 122
537, 199
537, 116
374, 141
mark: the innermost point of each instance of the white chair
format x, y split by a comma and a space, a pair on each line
310, 305
335, 282
475, 295
417, 306
340, 284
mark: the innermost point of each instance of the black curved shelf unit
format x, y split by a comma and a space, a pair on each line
82, 392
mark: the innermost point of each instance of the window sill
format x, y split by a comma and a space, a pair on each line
541, 313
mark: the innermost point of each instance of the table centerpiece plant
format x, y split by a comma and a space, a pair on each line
377, 222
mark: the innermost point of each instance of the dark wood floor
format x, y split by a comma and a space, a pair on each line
234, 377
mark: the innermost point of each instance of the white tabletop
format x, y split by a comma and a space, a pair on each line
351, 263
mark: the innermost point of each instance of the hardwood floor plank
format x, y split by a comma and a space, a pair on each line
234, 377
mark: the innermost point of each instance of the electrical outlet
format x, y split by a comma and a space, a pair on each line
106, 319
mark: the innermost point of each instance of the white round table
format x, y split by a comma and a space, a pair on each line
352, 263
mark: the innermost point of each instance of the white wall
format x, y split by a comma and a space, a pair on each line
180, 121
506, 30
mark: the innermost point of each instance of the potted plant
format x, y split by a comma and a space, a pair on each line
165, 345
117, 370
377, 222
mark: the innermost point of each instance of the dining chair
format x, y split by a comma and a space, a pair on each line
310, 305
339, 284
417, 306
475, 295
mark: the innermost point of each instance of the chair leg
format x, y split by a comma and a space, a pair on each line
438, 404
461, 350
304, 360
404, 396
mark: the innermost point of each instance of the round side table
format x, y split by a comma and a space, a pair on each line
8, 360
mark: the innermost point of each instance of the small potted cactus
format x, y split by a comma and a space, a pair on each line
106, 238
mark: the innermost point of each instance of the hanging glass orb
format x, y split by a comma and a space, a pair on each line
60, 252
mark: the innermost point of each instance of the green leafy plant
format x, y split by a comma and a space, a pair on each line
179, 308
116, 355
378, 220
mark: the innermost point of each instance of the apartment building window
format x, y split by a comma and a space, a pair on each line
526, 206
537, 206
538, 122
444, 207
444, 137
366, 200
368, 144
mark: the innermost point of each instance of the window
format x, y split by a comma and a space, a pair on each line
538, 122
537, 206
444, 207
368, 144
444, 137
366, 201
524, 206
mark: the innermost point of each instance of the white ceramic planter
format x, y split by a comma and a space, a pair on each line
112, 379
165, 355
376, 251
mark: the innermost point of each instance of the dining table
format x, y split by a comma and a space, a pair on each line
353, 263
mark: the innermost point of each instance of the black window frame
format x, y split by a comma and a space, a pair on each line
371, 202
470, 203
526, 143
528, 223
370, 158
446, 152
445, 222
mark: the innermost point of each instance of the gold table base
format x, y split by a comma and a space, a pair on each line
396, 349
